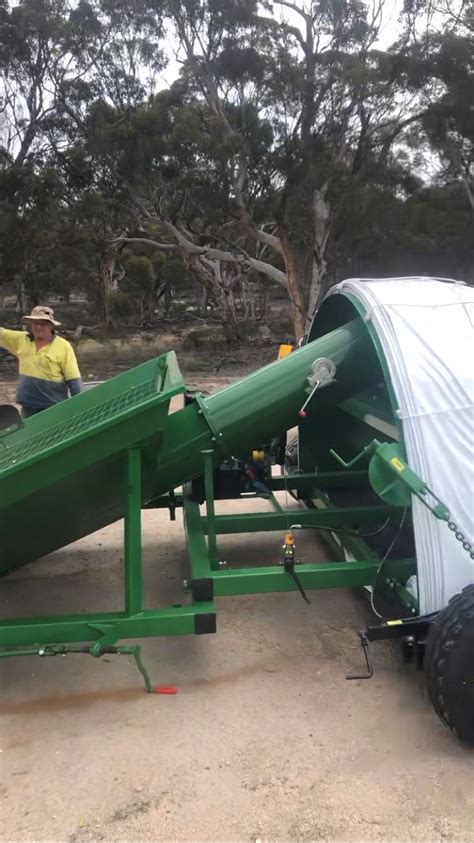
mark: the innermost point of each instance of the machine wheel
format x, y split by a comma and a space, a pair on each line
449, 664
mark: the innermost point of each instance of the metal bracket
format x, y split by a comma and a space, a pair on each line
393, 480
108, 639
217, 435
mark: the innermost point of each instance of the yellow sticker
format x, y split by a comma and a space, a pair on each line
284, 350
393, 623
397, 464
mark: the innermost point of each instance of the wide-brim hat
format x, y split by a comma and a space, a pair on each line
45, 314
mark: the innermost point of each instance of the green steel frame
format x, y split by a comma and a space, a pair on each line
103, 631
209, 580
139, 458
264, 579
48, 636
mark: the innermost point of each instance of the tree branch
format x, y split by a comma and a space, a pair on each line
268, 270
164, 247
293, 7
208, 253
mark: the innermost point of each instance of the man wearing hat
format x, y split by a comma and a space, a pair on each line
47, 364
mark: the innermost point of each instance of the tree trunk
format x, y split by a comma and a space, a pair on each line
148, 308
317, 288
264, 300
252, 293
298, 310
213, 277
22, 298
204, 303
321, 212
106, 288
228, 313
167, 299
243, 296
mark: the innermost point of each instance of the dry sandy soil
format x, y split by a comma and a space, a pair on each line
265, 739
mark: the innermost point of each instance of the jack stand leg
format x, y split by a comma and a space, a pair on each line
368, 660
290, 569
125, 650
97, 651
134, 650
210, 510
133, 534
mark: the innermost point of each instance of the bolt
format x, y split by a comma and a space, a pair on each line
222, 562
185, 583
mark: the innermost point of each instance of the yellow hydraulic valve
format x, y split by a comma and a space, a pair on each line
288, 546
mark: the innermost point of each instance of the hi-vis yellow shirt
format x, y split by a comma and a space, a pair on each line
45, 375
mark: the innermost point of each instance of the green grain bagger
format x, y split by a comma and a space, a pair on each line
379, 467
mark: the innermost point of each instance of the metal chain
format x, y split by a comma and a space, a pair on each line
461, 538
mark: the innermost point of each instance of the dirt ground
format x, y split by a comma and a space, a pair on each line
265, 739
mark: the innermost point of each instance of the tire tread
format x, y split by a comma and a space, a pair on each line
442, 639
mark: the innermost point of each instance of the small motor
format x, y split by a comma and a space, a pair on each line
236, 477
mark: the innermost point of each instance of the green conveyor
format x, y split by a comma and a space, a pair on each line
63, 475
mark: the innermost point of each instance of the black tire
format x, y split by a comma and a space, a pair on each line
449, 664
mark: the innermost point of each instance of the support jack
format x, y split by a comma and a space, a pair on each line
368, 660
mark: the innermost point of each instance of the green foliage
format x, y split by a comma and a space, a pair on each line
140, 272
121, 305
175, 273
270, 112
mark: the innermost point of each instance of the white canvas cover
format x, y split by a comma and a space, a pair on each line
426, 328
